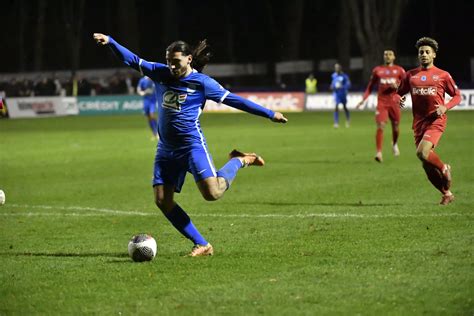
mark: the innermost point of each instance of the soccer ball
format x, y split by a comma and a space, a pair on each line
142, 247
2, 197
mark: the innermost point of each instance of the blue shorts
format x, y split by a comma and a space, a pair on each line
171, 166
340, 99
149, 107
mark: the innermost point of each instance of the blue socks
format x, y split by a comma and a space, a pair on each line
181, 221
229, 170
154, 126
336, 117
184, 225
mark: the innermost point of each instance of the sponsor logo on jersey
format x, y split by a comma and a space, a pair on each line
388, 80
424, 91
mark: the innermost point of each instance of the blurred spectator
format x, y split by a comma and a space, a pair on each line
311, 84
45, 87
26, 88
12, 89
117, 85
84, 87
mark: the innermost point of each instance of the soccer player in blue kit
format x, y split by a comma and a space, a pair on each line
182, 91
340, 85
146, 88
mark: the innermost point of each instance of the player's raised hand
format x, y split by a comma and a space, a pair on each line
402, 102
279, 118
101, 39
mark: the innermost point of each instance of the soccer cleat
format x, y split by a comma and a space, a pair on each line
201, 251
396, 151
348, 124
446, 199
248, 159
336, 125
378, 157
447, 176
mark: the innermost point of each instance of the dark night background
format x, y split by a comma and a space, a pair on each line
238, 31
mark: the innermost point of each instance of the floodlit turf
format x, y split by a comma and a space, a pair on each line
321, 229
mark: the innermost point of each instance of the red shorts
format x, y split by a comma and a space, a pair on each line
383, 113
429, 130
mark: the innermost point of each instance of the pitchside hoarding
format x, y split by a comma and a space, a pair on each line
41, 107
111, 104
325, 101
277, 101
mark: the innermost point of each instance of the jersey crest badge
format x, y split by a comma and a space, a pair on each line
170, 101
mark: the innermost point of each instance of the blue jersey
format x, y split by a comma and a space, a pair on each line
340, 85
181, 100
147, 85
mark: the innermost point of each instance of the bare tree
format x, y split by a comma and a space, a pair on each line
293, 28
377, 25
284, 22
22, 20
127, 26
39, 40
170, 33
73, 16
344, 36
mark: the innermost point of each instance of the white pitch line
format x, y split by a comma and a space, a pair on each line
105, 212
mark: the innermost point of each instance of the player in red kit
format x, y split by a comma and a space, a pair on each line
387, 77
427, 85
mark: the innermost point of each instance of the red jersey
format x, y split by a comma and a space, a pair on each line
385, 77
427, 88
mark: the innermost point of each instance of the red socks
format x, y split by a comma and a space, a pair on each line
434, 160
395, 132
379, 139
435, 176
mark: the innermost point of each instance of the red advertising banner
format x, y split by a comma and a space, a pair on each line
276, 101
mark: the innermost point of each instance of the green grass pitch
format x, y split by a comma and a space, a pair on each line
321, 229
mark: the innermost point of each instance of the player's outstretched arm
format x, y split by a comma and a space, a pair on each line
248, 106
128, 57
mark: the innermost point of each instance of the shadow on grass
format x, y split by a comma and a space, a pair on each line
360, 204
115, 255
325, 162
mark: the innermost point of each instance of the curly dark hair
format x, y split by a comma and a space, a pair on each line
201, 55
427, 41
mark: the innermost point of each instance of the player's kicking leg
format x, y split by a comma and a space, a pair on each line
213, 187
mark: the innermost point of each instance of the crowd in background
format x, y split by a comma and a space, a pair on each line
75, 86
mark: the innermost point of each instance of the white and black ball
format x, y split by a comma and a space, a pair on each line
142, 247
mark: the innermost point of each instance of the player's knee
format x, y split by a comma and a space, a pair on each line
422, 154
163, 205
211, 194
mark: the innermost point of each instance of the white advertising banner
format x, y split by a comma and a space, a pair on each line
41, 106
325, 101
